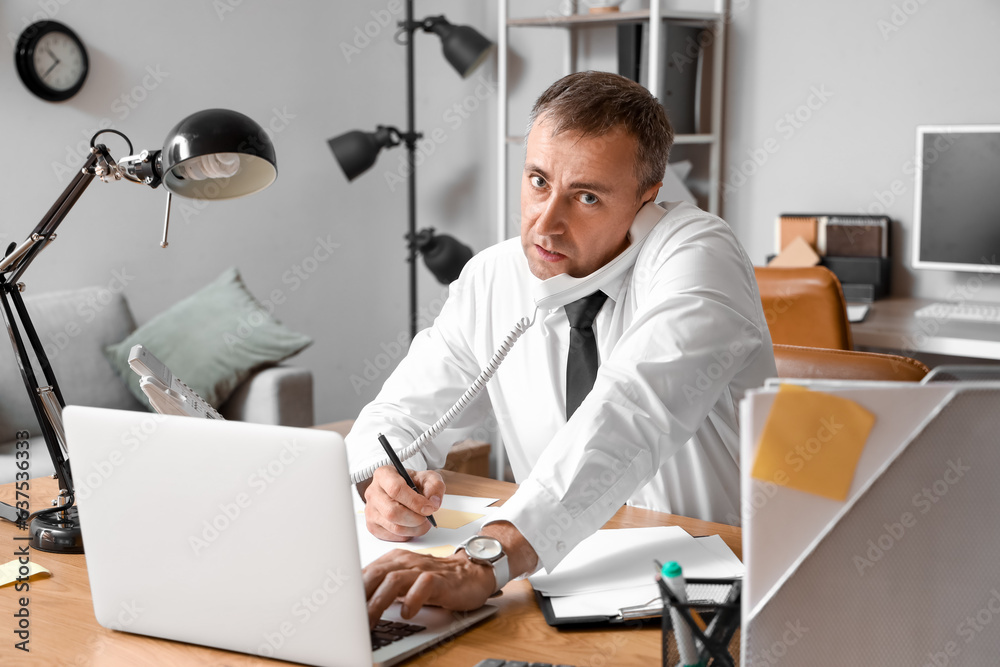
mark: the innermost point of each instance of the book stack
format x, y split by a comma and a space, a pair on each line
854, 247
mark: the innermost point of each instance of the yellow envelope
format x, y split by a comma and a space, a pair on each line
437, 552
447, 518
812, 442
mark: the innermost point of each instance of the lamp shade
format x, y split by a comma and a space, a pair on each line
356, 151
217, 154
445, 256
464, 47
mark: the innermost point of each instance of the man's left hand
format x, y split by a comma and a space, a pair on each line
453, 582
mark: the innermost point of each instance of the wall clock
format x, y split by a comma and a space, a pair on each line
51, 61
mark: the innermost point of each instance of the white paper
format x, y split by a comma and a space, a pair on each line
623, 558
609, 603
371, 547
604, 603
718, 546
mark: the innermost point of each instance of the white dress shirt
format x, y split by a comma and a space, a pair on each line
681, 338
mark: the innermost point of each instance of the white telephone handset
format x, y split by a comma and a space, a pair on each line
560, 290
555, 292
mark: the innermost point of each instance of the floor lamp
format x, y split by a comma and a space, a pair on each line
465, 49
212, 154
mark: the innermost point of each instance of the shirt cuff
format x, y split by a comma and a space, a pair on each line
542, 520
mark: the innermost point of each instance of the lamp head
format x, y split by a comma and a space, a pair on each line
356, 151
464, 46
445, 256
217, 154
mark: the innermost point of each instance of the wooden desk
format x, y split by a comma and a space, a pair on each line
64, 631
891, 325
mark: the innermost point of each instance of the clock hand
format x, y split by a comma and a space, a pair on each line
55, 62
51, 67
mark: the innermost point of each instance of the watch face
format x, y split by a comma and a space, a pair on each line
51, 61
485, 548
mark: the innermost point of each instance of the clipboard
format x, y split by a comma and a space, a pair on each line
651, 612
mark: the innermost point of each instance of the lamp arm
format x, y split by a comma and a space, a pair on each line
13, 265
17, 259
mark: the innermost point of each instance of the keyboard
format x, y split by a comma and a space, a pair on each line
961, 312
496, 662
387, 632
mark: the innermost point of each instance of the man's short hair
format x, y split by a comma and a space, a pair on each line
594, 103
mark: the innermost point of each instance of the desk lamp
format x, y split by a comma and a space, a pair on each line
465, 49
212, 154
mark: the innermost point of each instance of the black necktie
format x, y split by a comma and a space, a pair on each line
582, 361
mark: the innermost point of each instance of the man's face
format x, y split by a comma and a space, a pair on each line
578, 199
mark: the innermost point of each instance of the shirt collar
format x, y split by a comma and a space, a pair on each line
614, 288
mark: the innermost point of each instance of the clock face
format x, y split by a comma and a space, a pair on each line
51, 61
59, 61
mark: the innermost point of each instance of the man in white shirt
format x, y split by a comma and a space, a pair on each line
680, 337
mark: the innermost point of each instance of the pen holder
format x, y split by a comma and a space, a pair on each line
718, 643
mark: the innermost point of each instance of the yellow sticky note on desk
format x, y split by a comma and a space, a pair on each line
812, 442
9, 572
447, 518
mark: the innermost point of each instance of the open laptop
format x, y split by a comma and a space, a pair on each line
232, 535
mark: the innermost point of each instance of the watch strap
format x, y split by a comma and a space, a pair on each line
501, 572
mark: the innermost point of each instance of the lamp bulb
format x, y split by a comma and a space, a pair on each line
214, 165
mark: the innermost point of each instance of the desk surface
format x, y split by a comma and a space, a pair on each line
65, 632
890, 324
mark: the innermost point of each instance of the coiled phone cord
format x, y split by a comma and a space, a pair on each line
477, 386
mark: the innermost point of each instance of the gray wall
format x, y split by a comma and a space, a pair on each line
883, 68
284, 65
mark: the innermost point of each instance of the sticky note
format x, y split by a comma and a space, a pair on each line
812, 442
437, 552
9, 572
447, 518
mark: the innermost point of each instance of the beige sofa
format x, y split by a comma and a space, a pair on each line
74, 327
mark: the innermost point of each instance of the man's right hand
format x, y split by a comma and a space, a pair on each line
396, 513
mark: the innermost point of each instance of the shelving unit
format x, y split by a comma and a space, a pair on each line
572, 23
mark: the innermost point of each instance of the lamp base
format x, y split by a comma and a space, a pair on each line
57, 533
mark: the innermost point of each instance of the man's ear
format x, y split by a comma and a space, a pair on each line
650, 194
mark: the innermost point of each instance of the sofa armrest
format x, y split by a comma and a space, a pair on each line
275, 395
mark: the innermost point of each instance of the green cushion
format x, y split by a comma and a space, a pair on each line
213, 340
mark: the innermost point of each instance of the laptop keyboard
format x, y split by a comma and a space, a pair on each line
387, 632
496, 662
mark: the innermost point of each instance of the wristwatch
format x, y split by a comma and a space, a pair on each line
488, 551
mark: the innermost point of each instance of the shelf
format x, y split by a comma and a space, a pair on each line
678, 139
554, 20
702, 148
693, 139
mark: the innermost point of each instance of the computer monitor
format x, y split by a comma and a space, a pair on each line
956, 224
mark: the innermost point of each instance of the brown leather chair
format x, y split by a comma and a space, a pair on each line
815, 362
804, 306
